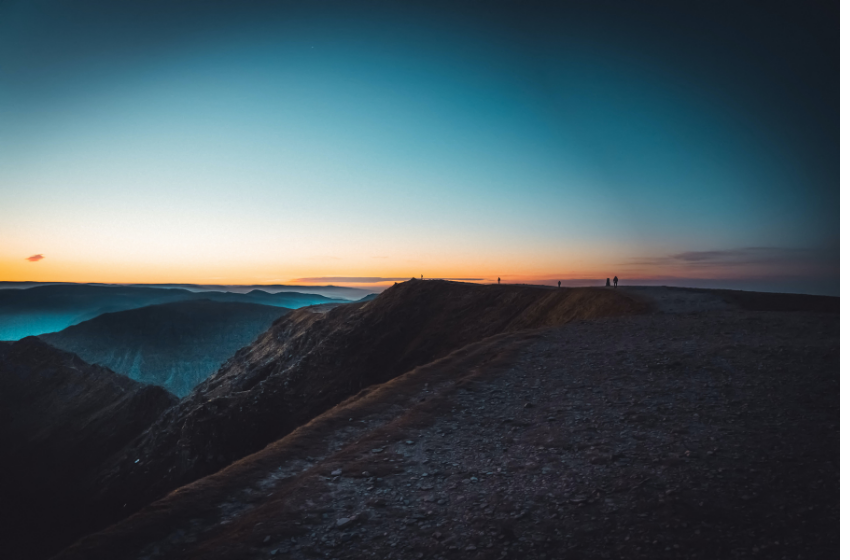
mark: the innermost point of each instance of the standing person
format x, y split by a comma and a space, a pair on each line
615, 281
499, 281
559, 283
607, 282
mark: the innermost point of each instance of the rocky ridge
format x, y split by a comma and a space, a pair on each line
701, 430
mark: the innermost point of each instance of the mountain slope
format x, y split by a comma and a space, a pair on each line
703, 429
60, 419
308, 362
173, 345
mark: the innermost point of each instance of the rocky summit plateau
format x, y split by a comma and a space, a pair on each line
446, 420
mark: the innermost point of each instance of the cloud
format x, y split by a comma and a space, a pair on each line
370, 279
351, 279
727, 257
35, 258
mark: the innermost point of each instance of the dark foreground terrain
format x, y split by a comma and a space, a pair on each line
703, 426
60, 418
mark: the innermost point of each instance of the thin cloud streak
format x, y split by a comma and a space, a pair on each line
728, 257
372, 279
350, 279
35, 258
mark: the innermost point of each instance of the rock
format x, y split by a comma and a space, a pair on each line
409, 442
470, 548
337, 472
437, 535
342, 521
267, 539
528, 405
378, 450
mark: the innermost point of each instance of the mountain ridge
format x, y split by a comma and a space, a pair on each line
308, 362
685, 431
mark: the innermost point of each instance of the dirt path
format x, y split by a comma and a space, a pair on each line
696, 431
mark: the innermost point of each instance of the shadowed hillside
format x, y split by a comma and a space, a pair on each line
308, 362
60, 418
173, 345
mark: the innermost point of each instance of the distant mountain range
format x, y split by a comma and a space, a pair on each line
333, 292
50, 308
174, 345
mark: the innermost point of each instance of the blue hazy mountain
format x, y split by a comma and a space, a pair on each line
51, 308
174, 345
329, 291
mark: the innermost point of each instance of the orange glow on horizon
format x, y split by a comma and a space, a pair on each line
363, 270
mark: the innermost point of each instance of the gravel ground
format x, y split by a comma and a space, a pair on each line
697, 431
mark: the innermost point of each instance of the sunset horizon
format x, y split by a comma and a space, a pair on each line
285, 141
433, 280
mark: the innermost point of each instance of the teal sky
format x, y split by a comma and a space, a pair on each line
205, 143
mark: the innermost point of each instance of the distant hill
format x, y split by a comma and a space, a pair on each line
60, 418
50, 308
174, 345
329, 291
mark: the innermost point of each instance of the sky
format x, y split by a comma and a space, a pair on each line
686, 143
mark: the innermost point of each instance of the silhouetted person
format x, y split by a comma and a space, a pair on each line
615, 281
608, 282
559, 283
421, 276
499, 281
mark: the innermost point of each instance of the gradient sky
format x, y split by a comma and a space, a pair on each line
269, 142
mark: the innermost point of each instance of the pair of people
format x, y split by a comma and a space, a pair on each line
607, 282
